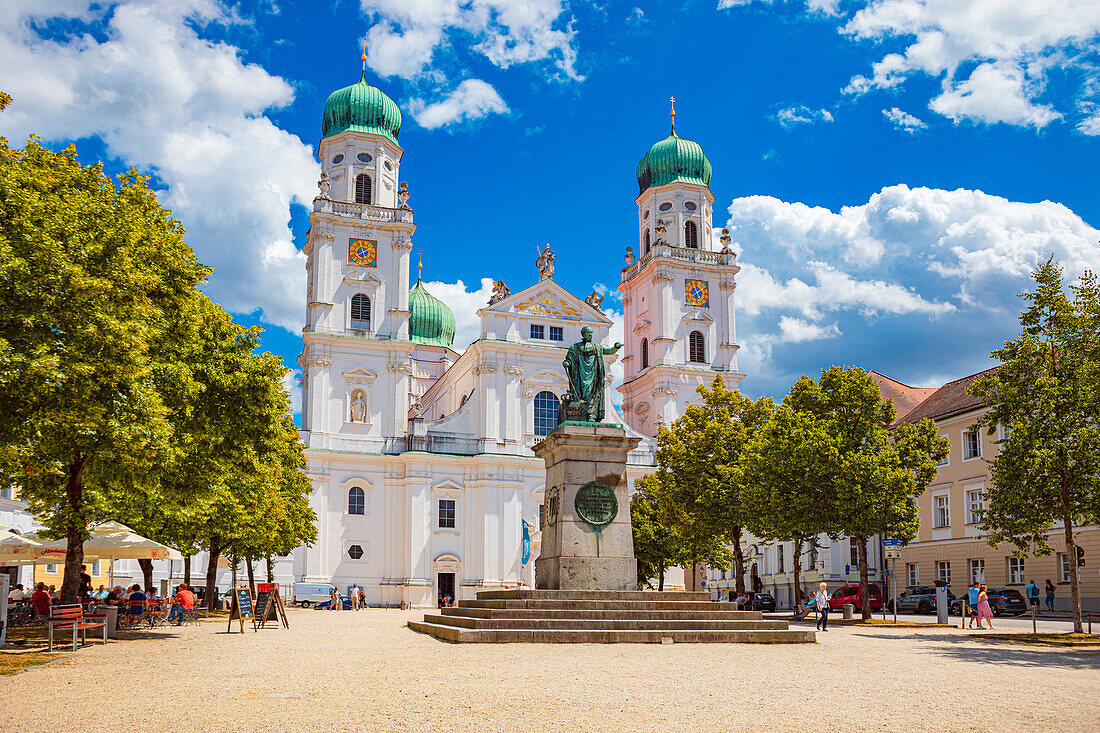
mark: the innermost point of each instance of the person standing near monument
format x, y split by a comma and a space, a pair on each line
823, 608
586, 372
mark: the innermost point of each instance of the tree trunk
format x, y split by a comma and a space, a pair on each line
797, 575
738, 561
146, 573
251, 576
270, 569
1071, 551
661, 576
693, 566
74, 530
187, 570
213, 554
864, 591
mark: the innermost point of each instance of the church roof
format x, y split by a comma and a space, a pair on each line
671, 160
361, 108
431, 322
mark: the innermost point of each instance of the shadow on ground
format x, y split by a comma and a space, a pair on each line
996, 651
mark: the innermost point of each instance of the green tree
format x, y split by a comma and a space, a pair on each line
653, 540
787, 469
92, 273
1044, 393
876, 475
698, 481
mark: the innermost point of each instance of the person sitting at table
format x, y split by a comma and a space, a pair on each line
184, 601
101, 593
41, 601
114, 596
135, 604
17, 594
53, 592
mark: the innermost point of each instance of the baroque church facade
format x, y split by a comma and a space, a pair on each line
420, 455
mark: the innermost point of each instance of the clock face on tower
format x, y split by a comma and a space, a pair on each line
697, 292
363, 252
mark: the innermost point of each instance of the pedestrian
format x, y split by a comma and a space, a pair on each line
984, 611
1032, 590
355, 596
336, 601
1050, 595
823, 608
362, 598
972, 601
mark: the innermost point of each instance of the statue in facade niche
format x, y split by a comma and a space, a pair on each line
594, 300
586, 372
500, 292
545, 263
358, 407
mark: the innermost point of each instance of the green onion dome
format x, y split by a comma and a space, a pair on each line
673, 159
432, 323
361, 108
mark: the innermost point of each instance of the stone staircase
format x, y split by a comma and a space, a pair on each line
603, 617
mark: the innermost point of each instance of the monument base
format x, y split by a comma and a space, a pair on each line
587, 542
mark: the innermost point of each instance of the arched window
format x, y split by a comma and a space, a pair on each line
697, 348
546, 412
362, 189
691, 235
645, 353
357, 501
360, 312
646, 242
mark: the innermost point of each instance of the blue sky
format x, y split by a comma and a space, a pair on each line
891, 170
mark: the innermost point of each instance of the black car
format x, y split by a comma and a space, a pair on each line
1002, 601
918, 599
760, 602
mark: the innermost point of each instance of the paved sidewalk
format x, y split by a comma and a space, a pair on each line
365, 672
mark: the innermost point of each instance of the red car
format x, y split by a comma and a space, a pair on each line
850, 594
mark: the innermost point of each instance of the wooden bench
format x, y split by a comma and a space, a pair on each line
72, 617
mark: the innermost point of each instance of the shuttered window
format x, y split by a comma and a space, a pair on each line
645, 353
362, 189
360, 312
697, 348
691, 235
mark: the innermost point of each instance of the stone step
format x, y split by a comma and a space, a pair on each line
590, 595
605, 613
581, 636
638, 624
591, 605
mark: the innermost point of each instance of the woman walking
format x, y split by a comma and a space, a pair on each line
984, 610
1050, 595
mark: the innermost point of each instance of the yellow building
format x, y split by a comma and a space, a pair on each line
100, 570
950, 547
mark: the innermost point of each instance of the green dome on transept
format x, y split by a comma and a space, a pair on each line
432, 323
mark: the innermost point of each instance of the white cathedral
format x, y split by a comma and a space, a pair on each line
420, 456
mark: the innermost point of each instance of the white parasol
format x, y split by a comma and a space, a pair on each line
115, 541
17, 549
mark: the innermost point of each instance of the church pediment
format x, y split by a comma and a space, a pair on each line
362, 277
359, 374
697, 316
547, 298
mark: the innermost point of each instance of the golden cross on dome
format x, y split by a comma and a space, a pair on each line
672, 113
363, 58
419, 264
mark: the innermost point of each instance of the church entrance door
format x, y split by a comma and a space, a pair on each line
446, 586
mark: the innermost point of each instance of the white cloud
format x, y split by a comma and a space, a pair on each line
408, 34
464, 304
188, 109
292, 383
605, 291
904, 121
471, 100
828, 7
791, 117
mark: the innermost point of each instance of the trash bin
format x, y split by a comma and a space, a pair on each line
849, 610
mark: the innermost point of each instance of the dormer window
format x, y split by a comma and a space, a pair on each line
362, 189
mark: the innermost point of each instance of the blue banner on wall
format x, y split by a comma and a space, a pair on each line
526, 543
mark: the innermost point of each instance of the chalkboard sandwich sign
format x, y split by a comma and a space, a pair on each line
242, 608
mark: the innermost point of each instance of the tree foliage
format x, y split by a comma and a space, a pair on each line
654, 542
1044, 393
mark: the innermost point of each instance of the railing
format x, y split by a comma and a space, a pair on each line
363, 211
686, 254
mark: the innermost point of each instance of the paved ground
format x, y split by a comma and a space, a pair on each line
363, 671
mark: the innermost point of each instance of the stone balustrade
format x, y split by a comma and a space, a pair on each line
368, 212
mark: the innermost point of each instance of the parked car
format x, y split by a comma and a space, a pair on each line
1002, 601
760, 602
312, 594
918, 599
327, 604
850, 594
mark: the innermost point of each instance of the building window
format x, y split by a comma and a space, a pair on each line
362, 189
546, 412
8, 493
51, 570
942, 511
1015, 570
1063, 567
947, 457
972, 445
355, 552
537, 331
780, 565
645, 353
697, 348
646, 251
357, 501
557, 333
360, 312
975, 505
95, 569
691, 235
914, 573
943, 572
446, 513
853, 552
977, 571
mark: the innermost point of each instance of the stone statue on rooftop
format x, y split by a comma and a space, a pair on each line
545, 263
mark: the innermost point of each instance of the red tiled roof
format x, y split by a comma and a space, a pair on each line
904, 397
950, 399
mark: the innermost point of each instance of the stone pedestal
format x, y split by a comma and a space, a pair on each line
579, 456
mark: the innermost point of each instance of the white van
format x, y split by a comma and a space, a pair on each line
310, 594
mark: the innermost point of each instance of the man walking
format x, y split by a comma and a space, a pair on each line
972, 601
823, 608
1033, 595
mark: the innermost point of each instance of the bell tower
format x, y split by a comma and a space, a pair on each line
678, 289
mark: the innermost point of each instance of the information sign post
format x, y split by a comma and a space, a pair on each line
893, 552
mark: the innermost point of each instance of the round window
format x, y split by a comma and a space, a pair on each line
646, 215
388, 166
355, 552
338, 160
364, 157
664, 207
690, 205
